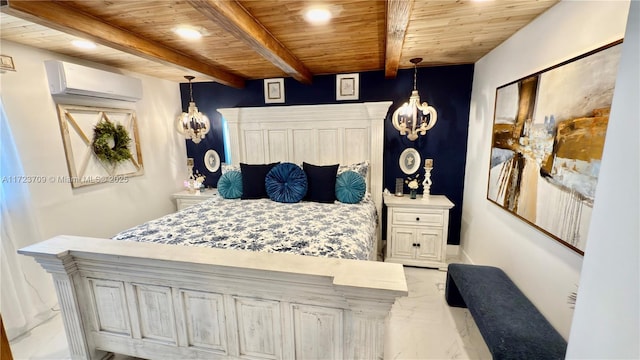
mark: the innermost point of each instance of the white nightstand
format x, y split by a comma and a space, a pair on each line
417, 230
184, 198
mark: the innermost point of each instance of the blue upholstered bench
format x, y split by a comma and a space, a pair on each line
510, 324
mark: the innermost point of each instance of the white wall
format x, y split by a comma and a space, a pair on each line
545, 270
95, 210
606, 324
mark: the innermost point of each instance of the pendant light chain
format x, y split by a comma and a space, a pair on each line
189, 77
415, 75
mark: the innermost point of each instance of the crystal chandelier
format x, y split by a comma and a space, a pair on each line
412, 118
193, 124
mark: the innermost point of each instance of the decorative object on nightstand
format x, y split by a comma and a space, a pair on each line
412, 118
193, 124
195, 182
399, 187
417, 231
190, 165
426, 184
185, 198
413, 184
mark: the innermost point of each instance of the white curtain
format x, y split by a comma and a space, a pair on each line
27, 295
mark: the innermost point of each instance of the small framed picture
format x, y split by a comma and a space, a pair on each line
347, 86
409, 161
6, 63
274, 90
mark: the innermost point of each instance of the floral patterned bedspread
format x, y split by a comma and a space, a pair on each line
337, 230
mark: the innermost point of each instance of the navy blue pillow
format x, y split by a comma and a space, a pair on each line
322, 182
286, 183
350, 187
230, 185
253, 180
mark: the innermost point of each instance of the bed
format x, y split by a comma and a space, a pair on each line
343, 231
160, 301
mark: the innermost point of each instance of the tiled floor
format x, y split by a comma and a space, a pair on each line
421, 326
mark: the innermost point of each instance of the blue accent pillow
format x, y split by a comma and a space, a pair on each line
350, 187
286, 183
322, 182
230, 185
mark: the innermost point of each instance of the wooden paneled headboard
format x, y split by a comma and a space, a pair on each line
317, 134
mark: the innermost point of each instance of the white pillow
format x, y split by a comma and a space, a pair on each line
229, 167
361, 168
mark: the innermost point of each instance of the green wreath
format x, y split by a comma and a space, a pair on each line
102, 133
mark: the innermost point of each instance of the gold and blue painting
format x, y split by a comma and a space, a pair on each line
548, 135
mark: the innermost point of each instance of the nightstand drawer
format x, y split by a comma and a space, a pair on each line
418, 217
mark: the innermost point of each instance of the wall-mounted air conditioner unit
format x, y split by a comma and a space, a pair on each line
72, 79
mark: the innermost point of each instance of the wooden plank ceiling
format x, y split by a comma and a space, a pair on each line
251, 39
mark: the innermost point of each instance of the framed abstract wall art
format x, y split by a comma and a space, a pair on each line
549, 131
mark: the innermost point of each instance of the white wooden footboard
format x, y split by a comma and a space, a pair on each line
173, 302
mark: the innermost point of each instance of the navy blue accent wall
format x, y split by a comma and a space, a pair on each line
447, 88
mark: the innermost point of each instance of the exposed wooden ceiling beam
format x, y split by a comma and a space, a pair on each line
234, 18
398, 13
57, 16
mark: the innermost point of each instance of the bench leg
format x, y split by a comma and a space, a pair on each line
452, 294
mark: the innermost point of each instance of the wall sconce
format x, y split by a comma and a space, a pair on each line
413, 118
193, 124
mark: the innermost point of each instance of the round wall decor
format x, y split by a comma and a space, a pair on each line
111, 142
212, 160
409, 161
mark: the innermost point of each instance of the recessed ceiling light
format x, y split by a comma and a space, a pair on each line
83, 44
317, 15
189, 33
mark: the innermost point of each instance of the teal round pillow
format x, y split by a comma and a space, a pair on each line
350, 187
230, 185
286, 183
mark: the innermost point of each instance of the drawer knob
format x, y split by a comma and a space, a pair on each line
417, 219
